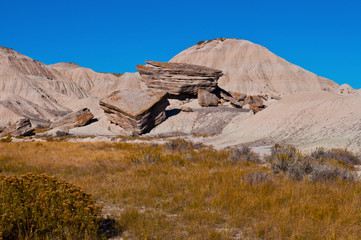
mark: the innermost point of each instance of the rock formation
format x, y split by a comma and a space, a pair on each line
252, 69
179, 79
22, 127
137, 111
44, 93
207, 99
74, 119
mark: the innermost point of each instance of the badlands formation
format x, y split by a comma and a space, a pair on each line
224, 92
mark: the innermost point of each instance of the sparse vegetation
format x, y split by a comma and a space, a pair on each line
244, 154
211, 40
319, 166
177, 192
341, 156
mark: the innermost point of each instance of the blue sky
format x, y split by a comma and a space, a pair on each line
114, 36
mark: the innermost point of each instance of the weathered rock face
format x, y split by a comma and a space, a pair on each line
206, 99
254, 100
236, 103
255, 103
22, 127
74, 119
179, 78
136, 110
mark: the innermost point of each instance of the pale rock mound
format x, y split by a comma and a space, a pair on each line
252, 69
137, 111
306, 120
126, 81
44, 93
179, 79
97, 84
14, 108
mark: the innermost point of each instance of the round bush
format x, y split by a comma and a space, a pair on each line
43, 207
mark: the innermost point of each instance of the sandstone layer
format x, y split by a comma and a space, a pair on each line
179, 79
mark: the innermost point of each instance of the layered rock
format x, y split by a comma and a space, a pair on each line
179, 78
207, 99
23, 127
134, 110
74, 119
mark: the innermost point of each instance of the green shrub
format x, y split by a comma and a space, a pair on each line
43, 207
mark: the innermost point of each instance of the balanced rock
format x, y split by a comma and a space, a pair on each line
206, 99
22, 127
179, 78
136, 110
74, 119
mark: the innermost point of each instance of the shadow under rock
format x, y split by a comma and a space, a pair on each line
171, 113
93, 120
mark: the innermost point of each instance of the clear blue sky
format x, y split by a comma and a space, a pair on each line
114, 36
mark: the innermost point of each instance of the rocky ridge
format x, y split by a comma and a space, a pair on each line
253, 79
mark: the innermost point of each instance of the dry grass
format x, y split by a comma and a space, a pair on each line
157, 192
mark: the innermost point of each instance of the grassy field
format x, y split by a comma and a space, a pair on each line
189, 192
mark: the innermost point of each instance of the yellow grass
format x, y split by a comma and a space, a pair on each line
157, 193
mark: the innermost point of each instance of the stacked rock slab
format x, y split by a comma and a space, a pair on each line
179, 79
137, 111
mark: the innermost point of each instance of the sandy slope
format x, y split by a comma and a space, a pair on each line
253, 69
307, 120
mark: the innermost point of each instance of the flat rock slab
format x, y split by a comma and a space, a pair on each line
74, 119
136, 110
179, 78
23, 127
